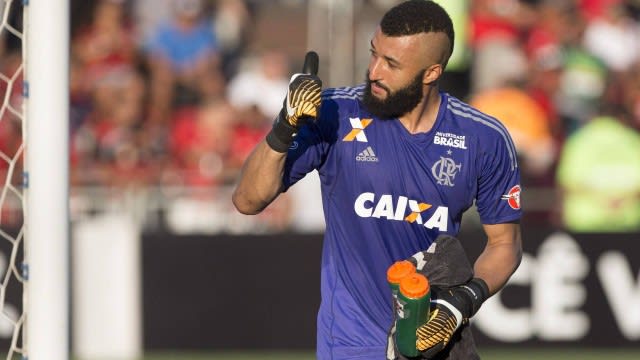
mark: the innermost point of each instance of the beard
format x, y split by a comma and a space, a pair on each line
398, 102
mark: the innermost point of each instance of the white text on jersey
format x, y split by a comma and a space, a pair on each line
451, 140
366, 205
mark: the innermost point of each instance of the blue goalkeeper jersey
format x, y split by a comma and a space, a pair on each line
388, 194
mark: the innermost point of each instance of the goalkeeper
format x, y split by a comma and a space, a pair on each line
399, 161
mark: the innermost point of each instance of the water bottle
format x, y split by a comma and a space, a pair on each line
412, 311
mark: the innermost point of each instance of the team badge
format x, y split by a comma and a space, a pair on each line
445, 170
513, 197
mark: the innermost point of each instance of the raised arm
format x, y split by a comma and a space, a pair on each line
261, 177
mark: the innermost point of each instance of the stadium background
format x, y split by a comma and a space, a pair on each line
160, 125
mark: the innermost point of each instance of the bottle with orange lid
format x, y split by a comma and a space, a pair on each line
412, 297
397, 272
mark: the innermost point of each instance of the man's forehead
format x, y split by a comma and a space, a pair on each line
429, 45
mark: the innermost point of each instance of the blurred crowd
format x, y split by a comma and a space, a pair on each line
177, 93
564, 78
163, 100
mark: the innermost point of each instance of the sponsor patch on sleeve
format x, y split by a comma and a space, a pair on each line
513, 197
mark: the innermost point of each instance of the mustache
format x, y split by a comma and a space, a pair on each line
369, 82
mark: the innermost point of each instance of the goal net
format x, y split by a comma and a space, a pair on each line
13, 272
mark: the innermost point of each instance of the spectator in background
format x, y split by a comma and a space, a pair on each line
148, 15
200, 142
528, 125
256, 91
184, 62
599, 178
613, 36
106, 149
582, 86
502, 70
583, 77
496, 29
496, 63
233, 26
261, 83
543, 86
499, 19
108, 41
557, 28
105, 44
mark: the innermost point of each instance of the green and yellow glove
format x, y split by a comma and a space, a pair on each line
450, 308
301, 104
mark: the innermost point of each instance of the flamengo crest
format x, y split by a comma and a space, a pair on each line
445, 170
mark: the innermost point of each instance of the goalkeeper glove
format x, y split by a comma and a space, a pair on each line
302, 102
450, 308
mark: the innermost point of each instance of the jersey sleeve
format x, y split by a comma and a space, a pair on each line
312, 145
498, 197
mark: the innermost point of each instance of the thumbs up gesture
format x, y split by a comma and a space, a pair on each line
301, 104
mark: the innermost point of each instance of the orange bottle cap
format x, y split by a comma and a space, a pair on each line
414, 286
399, 270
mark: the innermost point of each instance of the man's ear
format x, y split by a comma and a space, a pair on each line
432, 74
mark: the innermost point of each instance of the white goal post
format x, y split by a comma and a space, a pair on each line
46, 59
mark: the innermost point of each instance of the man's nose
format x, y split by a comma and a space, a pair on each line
374, 70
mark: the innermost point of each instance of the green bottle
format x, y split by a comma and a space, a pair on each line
412, 311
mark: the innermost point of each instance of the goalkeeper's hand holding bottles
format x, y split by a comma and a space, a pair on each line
301, 104
450, 308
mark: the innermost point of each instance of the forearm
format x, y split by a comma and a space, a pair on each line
500, 258
260, 180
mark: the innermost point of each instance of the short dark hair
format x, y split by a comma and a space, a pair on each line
415, 17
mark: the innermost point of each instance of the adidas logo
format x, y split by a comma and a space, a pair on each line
367, 155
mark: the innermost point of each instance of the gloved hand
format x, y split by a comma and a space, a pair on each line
450, 308
302, 103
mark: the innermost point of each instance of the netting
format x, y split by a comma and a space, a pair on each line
12, 269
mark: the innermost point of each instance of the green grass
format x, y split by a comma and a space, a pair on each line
487, 354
